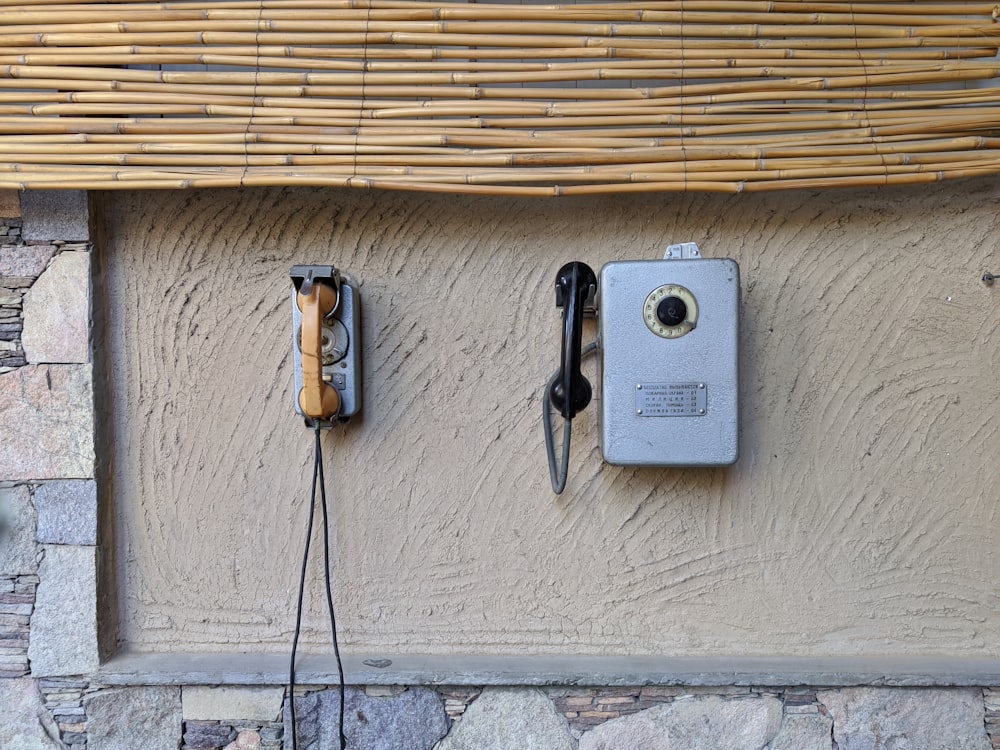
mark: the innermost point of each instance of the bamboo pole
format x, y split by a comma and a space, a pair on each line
691, 12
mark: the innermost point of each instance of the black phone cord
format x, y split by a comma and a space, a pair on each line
317, 480
558, 473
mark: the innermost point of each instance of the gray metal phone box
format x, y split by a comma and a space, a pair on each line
669, 342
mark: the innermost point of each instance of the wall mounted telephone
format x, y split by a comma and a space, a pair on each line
669, 347
326, 333
326, 351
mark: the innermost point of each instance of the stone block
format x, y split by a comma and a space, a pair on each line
67, 511
64, 624
130, 718
26, 724
234, 703
18, 554
510, 719
207, 734
692, 723
245, 740
55, 215
412, 720
10, 204
57, 312
804, 732
48, 417
925, 718
25, 260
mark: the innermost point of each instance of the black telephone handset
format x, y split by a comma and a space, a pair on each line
568, 390
571, 391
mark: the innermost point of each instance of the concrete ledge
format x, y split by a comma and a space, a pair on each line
610, 671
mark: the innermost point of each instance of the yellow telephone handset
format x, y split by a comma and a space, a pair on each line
317, 399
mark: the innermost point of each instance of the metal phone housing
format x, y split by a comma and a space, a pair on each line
669, 340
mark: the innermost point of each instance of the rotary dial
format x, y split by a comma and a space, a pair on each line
670, 311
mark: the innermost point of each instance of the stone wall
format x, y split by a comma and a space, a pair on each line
84, 715
52, 693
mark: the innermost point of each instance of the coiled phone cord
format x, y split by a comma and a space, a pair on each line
558, 474
317, 479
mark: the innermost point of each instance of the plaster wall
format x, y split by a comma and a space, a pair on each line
860, 519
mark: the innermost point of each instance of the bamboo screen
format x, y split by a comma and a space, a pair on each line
497, 97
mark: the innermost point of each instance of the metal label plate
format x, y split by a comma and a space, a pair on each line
671, 399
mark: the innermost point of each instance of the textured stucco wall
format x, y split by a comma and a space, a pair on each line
860, 518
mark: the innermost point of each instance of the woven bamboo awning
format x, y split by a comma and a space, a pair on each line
497, 97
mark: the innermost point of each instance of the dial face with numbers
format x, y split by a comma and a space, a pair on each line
670, 311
